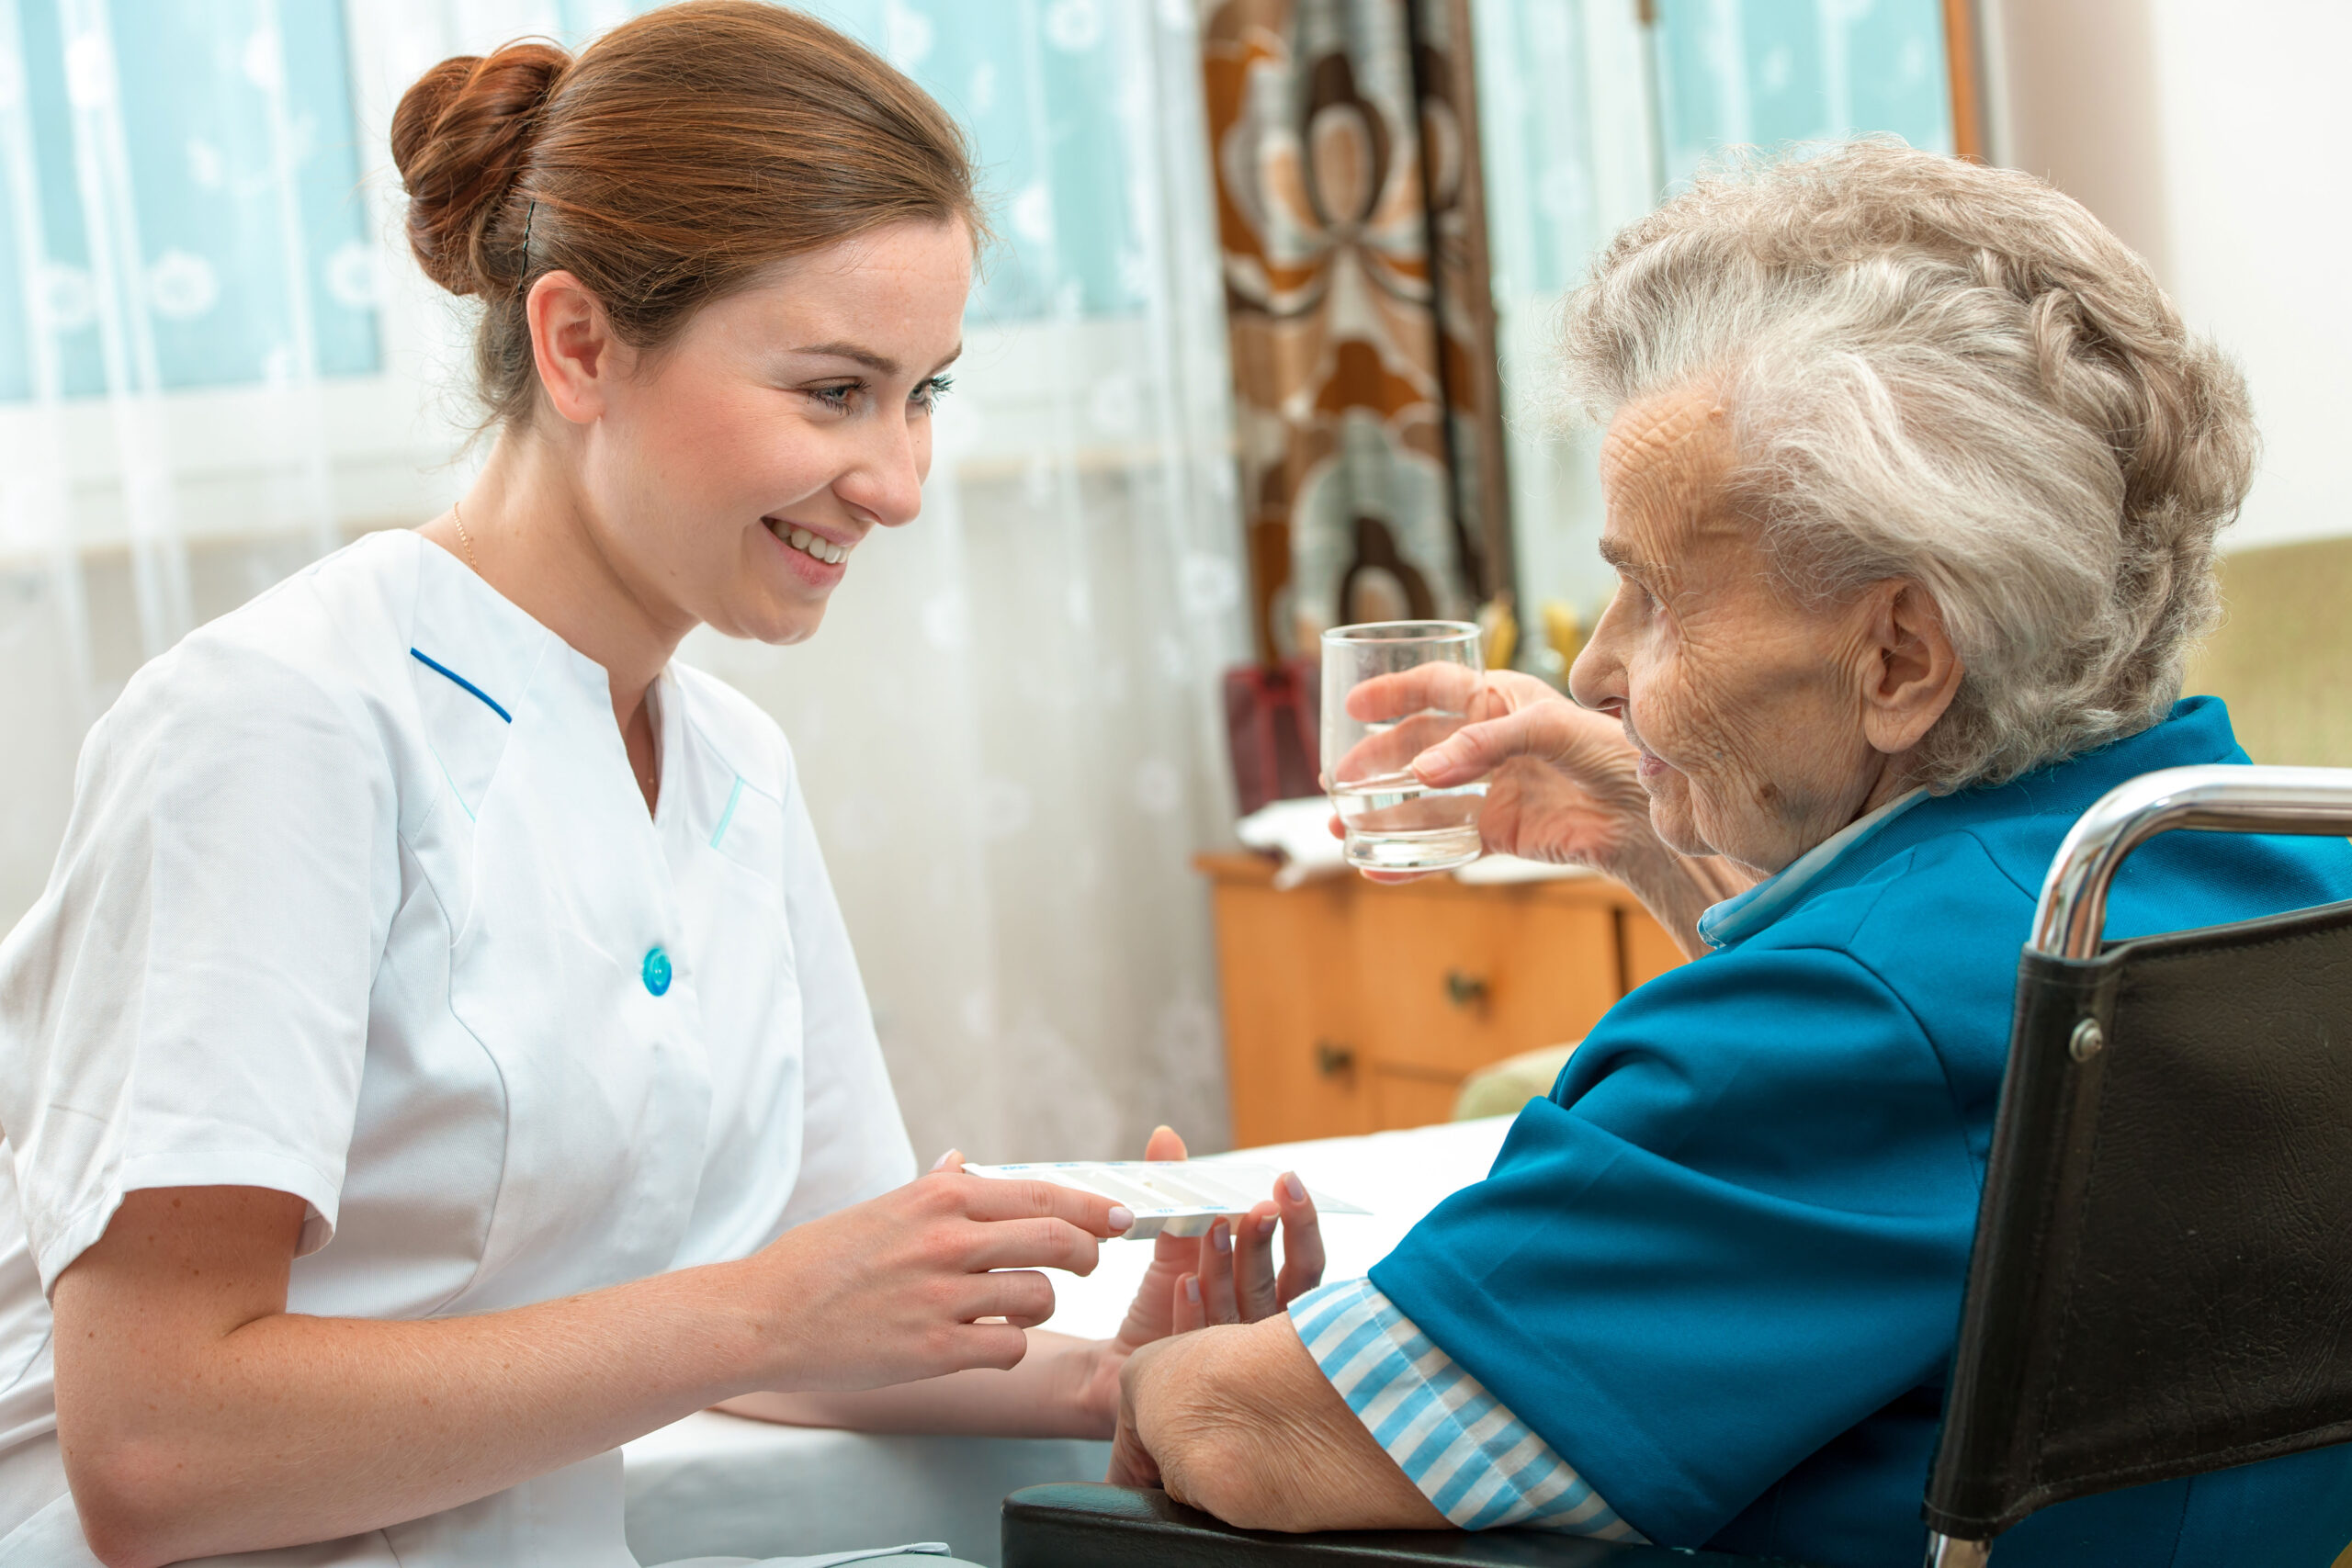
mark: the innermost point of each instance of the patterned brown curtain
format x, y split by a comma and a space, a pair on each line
1344, 142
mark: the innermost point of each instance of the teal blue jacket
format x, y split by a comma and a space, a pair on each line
1720, 1269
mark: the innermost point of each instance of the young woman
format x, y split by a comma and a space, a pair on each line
437, 1057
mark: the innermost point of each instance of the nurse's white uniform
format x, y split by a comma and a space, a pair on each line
359, 902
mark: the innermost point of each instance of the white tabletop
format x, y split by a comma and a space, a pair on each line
715, 1484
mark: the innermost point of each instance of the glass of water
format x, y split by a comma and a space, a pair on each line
1391, 689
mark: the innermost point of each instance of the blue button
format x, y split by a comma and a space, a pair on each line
657, 970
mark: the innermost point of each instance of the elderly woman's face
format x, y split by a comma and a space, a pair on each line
1757, 717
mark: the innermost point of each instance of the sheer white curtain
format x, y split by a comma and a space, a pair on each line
217, 361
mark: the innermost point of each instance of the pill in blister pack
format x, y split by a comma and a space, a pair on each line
1181, 1197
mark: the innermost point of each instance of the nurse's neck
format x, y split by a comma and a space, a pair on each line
525, 529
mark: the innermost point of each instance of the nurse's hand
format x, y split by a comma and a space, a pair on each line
902, 1287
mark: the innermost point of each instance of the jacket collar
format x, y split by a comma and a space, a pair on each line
2196, 730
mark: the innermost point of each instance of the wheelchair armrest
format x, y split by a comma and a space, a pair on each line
1085, 1524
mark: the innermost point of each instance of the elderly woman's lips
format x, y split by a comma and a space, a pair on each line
1650, 765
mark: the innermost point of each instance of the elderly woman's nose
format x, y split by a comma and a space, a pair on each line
1597, 679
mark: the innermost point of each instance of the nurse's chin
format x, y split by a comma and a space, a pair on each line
779, 626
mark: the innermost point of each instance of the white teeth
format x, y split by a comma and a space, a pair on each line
810, 544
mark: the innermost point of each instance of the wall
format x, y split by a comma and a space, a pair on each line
2204, 135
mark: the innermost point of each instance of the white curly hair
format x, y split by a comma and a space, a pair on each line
1953, 375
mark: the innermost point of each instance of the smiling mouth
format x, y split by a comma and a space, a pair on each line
814, 546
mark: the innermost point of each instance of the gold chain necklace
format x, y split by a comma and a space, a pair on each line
464, 540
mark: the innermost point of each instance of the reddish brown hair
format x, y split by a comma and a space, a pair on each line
665, 165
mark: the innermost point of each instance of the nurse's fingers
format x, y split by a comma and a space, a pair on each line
1023, 1297
997, 1344
1253, 1263
1302, 1239
987, 1199
1164, 1144
1216, 1273
1032, 1243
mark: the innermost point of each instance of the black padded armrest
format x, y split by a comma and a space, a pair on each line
1085, 1525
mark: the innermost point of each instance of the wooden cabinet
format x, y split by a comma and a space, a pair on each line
1351, 1006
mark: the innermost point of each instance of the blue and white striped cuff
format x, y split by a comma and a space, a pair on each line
1480, 1465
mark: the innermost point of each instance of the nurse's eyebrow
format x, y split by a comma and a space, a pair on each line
880, 363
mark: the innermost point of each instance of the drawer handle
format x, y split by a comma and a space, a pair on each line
1331, 1058
1464, 990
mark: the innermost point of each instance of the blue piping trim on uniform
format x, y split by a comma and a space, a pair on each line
436, 664
729, 815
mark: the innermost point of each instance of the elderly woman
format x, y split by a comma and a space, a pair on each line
1913, 480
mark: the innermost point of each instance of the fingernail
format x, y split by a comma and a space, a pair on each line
1265, 1225
1221, 1237
944, 1161
1192, 1288
1295, 1187
1121, 1216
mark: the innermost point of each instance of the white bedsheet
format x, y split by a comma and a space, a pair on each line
717, 1485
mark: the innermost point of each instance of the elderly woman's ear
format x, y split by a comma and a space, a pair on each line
1906, 671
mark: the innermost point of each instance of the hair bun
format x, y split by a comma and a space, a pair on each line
460, 138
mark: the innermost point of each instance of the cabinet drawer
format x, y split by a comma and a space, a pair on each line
1351, 1006
1448, 983
1411, 1099
1291, 1065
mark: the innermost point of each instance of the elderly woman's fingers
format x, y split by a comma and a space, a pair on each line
1188, 1311
1474, 750
1253, 1263
1590, 748
1302, 1240
1392, 751
1216, 1273
1149, 1315
1410, 690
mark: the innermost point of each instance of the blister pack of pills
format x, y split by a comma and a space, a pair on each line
1180, 1197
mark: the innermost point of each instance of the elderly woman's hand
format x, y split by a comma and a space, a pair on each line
1561, 782
1561, 786
1240, 1422
1226, 1276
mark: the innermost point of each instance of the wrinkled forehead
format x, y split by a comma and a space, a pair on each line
1663, 464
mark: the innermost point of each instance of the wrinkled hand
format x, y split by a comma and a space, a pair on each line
1561, 781
1226, 1276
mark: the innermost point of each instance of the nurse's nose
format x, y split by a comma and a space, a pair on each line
885, 483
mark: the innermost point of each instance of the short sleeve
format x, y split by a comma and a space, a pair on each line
856, 1143
187, 1004
1737, 1229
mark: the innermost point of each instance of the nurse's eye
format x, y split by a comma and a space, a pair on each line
837, 398
928, 392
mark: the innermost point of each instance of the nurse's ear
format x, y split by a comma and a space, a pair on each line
578, 355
